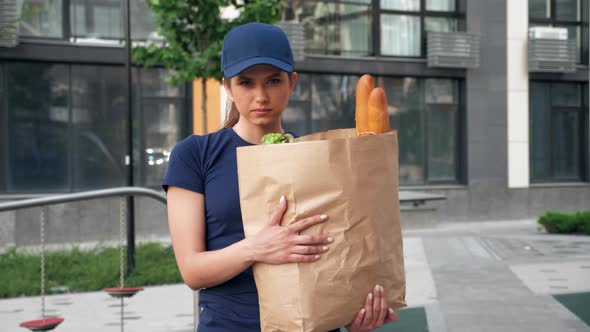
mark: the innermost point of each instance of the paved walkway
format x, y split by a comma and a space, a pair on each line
497, 276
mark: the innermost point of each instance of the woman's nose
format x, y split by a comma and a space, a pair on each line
261, 96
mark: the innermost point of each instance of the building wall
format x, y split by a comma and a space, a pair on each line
494, 166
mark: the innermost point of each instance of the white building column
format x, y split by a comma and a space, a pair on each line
518, 94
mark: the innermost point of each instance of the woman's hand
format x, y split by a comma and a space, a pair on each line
276, 244
374, 314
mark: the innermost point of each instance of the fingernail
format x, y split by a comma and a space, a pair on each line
323, 217
381, 289
370, 296
282, 200
390, 311
325, 248
317, 256
330, 239
377, 288
363, 311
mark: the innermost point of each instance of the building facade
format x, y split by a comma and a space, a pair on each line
500, 140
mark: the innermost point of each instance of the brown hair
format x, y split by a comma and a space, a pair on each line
232, 115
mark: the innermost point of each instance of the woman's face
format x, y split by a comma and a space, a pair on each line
261, 93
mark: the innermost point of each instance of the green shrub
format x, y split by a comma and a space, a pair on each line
556, 222
583, 222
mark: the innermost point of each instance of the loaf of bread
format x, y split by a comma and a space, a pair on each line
363, 89
378, 116
371, 115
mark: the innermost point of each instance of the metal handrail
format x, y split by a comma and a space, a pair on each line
73, 197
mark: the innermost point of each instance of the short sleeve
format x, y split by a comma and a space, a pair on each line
185, 166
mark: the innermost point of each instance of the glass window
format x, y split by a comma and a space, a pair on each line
297, 118
99, 119
333, 102
441, 97
143, 26
585, 39
162, 123
539, 131
540, 8
571, 14
567, 10
406, 101
400, 35
442, 131
441, 91
424, 111
153, 84
440, 5
40, 18
93, 20
566, 144
38, 112
405, 5
334, 28
162, 113
565, 94
558, 129
441, 24
65, 127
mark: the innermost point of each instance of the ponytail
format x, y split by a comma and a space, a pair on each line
231, 115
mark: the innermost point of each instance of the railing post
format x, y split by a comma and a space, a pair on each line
130, 234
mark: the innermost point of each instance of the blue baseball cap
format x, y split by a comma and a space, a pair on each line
254, 44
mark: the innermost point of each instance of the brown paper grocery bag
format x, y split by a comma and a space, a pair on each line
352, 179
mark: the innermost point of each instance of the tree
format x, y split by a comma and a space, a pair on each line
193, 31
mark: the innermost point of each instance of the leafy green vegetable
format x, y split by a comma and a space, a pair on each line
277, 138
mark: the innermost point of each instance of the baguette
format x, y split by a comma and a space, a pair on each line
378, 116
363, 89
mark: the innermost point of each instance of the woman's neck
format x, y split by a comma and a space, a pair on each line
253, 134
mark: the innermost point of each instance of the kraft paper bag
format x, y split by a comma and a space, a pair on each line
354, 180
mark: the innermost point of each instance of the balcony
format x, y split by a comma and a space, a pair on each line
550, 50
453, 50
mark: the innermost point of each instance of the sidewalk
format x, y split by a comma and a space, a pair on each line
497, 276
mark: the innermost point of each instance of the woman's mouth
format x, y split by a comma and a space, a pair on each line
262, 111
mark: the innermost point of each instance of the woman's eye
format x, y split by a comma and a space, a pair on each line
275, 81
245, 83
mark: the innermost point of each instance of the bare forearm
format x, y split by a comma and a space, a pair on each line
211, 268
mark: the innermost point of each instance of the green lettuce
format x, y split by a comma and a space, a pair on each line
277, 138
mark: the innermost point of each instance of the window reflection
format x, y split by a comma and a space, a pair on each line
40, 18
334, 28
161, 115
333, 102
568, 10
400, 35
143, 26
558, 129
99, 121
540, 8
405, 5
38, 116
405, 96
96, 21
441, 5
424, 111
441, 24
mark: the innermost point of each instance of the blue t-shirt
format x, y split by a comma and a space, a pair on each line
207, 165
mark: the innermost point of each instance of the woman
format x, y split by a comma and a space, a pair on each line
203, 200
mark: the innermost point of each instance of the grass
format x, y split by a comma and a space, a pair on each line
84, 270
